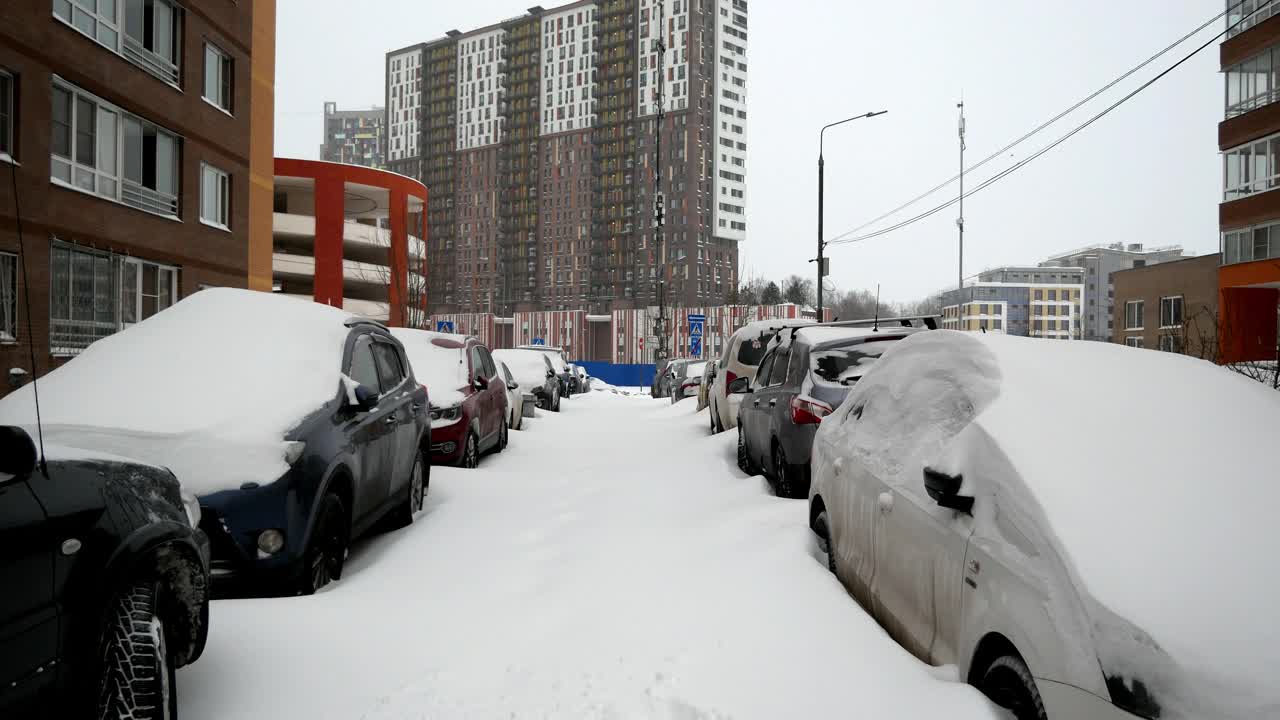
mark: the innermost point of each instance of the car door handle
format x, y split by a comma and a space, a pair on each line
390, 420
886, 502
756, 403
773, 402
415, 407
838, 465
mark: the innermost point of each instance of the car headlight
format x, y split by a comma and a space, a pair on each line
293, 450
191, 504
449, 413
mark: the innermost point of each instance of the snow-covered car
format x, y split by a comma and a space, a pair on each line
95, 548
686, 380
584, 380
560, 362
299, 426
535, 374
805, 373
468, 395
1106, 551
516, 398
738, 365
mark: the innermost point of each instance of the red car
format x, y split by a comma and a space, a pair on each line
467, 393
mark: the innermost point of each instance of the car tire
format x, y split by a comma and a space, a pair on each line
415, 494
137, 678
327, 551
555, 402
744, 460
502, 438
470, 452
1007, 682
822, 525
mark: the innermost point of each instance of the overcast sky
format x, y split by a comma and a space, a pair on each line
1149, 172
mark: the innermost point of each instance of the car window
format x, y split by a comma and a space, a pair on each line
363, 368
390, 369
796, 368
506, 373
778, 368
490, 371
752, 350
762, 376
845, 364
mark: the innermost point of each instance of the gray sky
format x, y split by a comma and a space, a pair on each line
1149, 172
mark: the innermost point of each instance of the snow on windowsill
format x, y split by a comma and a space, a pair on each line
215, 225
68, 186
7, 158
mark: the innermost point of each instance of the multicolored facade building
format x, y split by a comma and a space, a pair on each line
536, 137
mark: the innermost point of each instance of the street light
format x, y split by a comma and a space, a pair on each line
822, 243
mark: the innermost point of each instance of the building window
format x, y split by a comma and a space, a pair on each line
1251, 168
218, 73
215, 197
1171, 312
6, 114
1249, 244
1171, 343
95, 294
8, 297
1134, 342
152, 30
1252, 83
100, 149
1133, 310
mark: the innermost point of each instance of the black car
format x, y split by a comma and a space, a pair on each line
805, 373
363, 457
103, 585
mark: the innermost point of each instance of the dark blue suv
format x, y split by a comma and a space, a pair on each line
360, 459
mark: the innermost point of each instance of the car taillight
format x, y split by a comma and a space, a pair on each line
807, 411
729, 377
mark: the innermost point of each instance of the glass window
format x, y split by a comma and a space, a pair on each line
95, 18
1133, 315
762, 375
363, 368
217, 77
751, 350
778, 371
1260, 243
215, 196
1171, 311
6, 113
8, 297
390, 370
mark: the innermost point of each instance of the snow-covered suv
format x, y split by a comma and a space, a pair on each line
105, 581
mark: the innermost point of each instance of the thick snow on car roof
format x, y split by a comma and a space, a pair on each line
819, 334
1156, 474
438, 362
207, 388
528, 367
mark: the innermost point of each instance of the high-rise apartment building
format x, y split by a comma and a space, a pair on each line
537, 139
354, 137
1099, 262
1249, 214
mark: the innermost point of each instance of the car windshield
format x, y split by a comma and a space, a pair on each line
844, 365
752, 349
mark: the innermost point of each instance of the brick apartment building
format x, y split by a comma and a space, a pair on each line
354, 137
132, 130
536, 138
1249, 215
1172, 306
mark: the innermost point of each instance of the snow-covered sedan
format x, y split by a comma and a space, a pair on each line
1084, 530
738, 366
535, 374
300, 427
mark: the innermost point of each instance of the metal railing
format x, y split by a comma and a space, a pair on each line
147, 199
149, 61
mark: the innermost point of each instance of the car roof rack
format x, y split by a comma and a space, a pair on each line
354, 321
928, 321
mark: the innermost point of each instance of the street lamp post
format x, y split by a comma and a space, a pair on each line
822, 243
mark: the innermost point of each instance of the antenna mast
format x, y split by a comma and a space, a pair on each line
960, 220
26, 300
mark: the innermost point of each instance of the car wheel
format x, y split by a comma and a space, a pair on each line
137, 678
471, 452
822, 526
744, 460
1008, 683
502, 438
327, 551
415, 494
555, 402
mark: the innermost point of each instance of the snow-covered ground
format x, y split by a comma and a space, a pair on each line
611, 563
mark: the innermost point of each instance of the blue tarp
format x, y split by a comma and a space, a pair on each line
621, 375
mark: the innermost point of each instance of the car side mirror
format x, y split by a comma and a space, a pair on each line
551, 373
17, 452
366, 398
945, 490
512, 386
740, 385
480, 382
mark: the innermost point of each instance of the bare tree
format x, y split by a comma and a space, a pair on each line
1201, 335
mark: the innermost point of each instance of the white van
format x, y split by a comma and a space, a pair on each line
737, 367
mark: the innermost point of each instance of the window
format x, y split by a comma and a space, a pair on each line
215, 197
364, 370
218, 73
390, 369
1251, 168
1170, 343
99, 149
94, 294
1249, 244
8, 297
1133, 315
6, 114
1134, 342
152, 30
1171, 312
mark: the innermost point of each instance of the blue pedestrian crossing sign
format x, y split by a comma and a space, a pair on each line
538, 341
444, 326
696, 325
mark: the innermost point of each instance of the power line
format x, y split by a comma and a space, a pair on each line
845, 237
